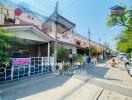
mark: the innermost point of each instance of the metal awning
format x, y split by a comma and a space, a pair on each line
27, 32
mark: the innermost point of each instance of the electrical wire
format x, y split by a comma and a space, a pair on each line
13, 4
69, 6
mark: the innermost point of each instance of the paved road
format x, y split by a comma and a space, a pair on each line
98, 83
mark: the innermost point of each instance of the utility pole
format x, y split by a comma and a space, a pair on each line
89, 41
99, 41
56, 38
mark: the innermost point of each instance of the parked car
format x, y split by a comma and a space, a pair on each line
122, 56
130, 72
129, 68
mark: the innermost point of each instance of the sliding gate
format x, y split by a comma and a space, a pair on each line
25, 67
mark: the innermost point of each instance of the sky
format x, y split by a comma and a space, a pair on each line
84, 13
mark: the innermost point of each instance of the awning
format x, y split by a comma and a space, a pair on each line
28, 32
62, 42
77, 40
84, 47
99, 49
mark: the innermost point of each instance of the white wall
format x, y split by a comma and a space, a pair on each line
2, 17
25, 17
74, 49
30, 19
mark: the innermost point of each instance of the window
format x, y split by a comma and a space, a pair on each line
29, 16
70, 51
32, 18
18, 54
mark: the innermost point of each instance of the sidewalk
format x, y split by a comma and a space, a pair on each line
116, 79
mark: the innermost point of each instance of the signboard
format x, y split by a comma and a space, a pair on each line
21, 61
17, 12
117, 11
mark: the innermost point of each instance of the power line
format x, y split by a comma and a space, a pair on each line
13, 4
70, 5
42, 6
44, 3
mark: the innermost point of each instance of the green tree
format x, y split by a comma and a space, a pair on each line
6, 46
93, 51
124, 43
124, 39
80, 58
62, 54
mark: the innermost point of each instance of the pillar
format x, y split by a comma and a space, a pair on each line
39, 51
48, 53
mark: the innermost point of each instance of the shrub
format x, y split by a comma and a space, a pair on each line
6, 47
62, 54
80, 58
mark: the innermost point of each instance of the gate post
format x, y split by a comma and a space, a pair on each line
12, 72
48, 53
0, 95
29, 70
42, 64
5, 74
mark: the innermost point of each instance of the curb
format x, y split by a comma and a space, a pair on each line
122, 89
115, 87
0, 95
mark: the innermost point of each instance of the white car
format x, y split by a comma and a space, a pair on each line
130, 69
122, 56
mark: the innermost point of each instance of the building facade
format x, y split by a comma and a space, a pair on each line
34, 53
75, 43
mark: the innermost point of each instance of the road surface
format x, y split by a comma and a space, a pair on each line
98, 83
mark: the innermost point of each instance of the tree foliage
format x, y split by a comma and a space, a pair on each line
62, 54
5, 46
80, 58
124, 39
93, 51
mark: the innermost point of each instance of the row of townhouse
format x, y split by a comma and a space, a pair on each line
35, 42
28, 22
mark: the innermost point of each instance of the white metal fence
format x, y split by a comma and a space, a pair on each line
38, 65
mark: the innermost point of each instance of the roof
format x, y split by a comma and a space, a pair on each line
61, 20
84, 47
12, 25
116, 7
62, 42
64, 19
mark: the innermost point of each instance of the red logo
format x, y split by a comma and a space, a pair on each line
18, 12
